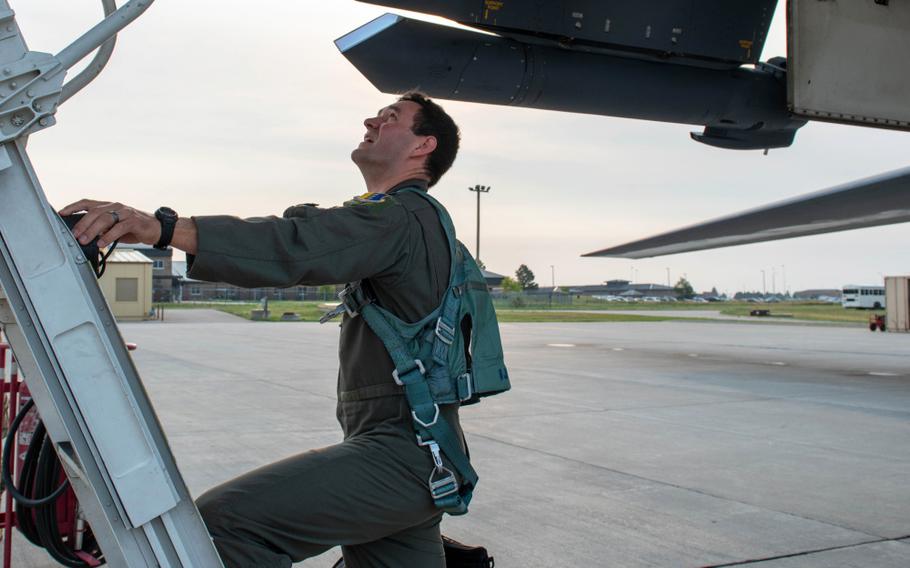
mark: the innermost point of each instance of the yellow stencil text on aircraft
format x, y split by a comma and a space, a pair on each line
494, 5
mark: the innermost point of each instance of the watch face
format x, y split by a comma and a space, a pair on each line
166, 212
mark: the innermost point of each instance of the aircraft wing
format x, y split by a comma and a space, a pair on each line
716, 32
686, 67
879, 200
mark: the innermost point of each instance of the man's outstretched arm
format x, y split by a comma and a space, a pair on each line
129, 225
310, 246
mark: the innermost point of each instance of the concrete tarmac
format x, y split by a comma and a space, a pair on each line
660, 444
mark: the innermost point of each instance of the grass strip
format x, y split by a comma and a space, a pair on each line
805, 311
529, 316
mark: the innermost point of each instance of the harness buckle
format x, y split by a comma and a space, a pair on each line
442, 481
343, 296
468, 390
444, 331
420, 367
334, 313
437, 458
427, 424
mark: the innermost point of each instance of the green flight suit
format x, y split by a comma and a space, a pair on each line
369, 493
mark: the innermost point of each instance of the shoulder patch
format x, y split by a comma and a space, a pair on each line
368, 198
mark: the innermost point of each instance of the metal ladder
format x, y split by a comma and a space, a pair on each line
63, 334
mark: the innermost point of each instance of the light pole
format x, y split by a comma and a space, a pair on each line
478, 189
764, 286
553, 276
668, 277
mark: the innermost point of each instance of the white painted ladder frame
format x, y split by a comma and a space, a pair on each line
66, 340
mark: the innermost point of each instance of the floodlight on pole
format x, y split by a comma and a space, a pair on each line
478, 189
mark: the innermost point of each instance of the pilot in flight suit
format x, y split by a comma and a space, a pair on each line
368, 493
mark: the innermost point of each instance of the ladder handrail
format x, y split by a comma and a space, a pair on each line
97, 64
101, 37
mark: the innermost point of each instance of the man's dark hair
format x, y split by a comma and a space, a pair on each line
432, 120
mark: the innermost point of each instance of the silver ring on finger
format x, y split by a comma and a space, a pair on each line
116, 216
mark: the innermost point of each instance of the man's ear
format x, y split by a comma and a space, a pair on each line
426, 147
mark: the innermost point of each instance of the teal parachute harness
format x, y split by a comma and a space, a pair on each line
453, 355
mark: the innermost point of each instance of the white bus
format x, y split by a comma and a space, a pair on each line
863, 297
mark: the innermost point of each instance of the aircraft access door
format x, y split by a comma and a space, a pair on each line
849, 62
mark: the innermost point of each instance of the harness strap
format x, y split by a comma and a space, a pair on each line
447, 325
432, 429
446, 328
430, 425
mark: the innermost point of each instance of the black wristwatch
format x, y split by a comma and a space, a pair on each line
168, 219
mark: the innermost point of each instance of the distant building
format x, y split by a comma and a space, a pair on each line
493, 280
619, 285
712, 295
622, 288
127, 284
164, 281
190, 290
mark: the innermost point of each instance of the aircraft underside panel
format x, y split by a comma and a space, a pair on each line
879, 200
742, 108
719, 30
849, 61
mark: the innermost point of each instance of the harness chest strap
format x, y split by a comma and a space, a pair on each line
352, 299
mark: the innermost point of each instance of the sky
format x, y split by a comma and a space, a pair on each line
245, 108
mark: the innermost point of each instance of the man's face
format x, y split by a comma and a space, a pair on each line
389, 140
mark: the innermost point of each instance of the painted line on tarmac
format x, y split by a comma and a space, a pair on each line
721, 359
560, 345
882, 374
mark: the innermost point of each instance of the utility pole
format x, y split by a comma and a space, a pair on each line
478, 189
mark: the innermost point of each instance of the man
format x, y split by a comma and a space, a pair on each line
369, 493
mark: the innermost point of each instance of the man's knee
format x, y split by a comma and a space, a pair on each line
216, 510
